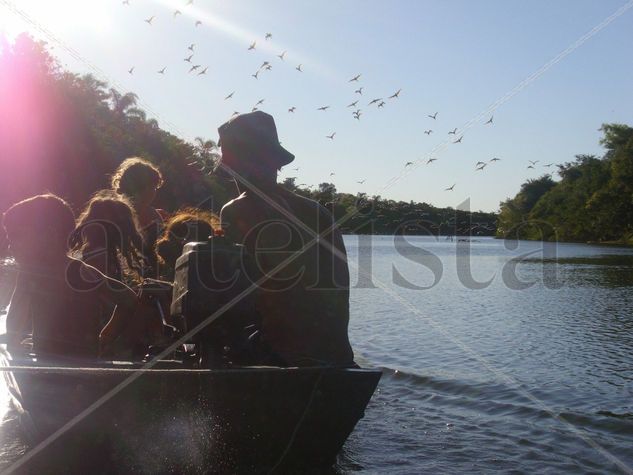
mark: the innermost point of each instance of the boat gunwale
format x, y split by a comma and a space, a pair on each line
114, 368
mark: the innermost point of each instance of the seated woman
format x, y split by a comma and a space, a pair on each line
107, 238
107, 234
186, 225
138, 180
59, 299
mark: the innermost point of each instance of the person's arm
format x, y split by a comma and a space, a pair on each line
332, 235
19, 322
229, 216
116, 293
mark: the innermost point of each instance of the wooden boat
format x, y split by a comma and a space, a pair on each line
119, 417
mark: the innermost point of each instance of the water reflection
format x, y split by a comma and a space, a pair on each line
592, 271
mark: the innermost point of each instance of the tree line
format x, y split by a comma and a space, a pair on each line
592, 201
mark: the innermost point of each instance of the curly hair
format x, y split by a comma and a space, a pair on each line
135, 174
185, 225
113, 216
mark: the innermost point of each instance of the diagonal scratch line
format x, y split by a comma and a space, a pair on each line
516, 90
338, 253
119, 387
441, 329
508, 379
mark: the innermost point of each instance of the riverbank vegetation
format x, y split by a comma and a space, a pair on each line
65, 133
593, 201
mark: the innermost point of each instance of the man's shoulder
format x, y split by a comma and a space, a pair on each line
305, 202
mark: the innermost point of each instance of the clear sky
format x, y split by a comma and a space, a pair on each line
453, 57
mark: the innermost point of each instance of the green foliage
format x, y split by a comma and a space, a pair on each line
593, 201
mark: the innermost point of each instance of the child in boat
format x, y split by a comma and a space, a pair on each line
139, 180
186, 225
107, 237
57, 298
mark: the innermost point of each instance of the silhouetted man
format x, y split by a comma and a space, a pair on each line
304, 303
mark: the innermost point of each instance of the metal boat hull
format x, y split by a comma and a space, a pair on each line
173, 420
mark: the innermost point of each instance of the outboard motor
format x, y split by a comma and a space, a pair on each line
212, 293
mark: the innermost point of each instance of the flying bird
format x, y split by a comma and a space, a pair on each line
353, 104
131, 70
359, 91
454, 131
459, 140
332, 174
323, 108
431, 160
194, 67
298, 68
479, 163
373, 101
495, 159
176, 13
162, 71
150, 20
261, 101
254, 109
252, 46
281, 56
481, 167
292, 109
204, 71
198, 23
489, 121
361, 182
395, 95
268, 36
534, 162
188, 58
229, 96
256, 75
191, 47
548, 165
434, 116
381, 104
264, 64
428, 132
355, 78
357, 114
331, 137
268, 67
408, 164
530, 166
450, 188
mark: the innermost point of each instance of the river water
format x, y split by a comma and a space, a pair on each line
498, 357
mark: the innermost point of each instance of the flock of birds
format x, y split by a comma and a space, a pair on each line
355, 106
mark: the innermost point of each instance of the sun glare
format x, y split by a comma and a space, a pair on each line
58, 16
244, 36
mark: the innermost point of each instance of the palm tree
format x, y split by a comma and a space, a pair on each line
122, 103
205, 151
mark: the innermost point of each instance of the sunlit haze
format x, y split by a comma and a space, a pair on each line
455, 58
